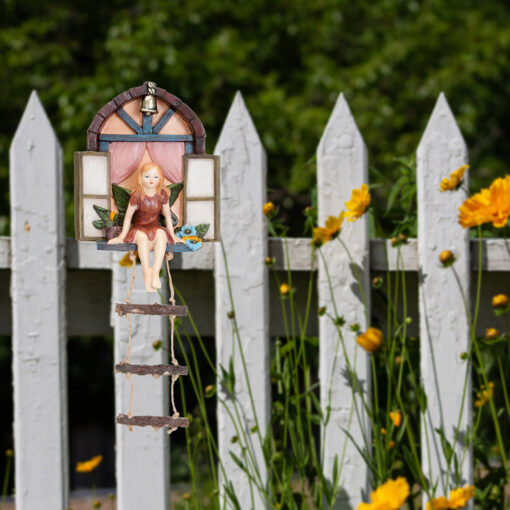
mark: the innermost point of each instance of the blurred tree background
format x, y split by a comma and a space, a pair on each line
290, 59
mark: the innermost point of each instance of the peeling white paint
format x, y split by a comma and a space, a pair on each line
444, 329
244, 235
341, 167
38, 290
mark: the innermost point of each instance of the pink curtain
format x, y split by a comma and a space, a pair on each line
126, 158
168, 155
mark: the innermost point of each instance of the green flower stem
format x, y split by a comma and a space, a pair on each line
5, 485
352, 374
211, 442
505, 392
191, 464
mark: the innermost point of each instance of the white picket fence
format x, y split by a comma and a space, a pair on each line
38, 255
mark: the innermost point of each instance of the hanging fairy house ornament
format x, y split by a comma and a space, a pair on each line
145, 185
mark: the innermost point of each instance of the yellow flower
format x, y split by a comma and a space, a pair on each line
357, 205
268, 208
112, 215
459, 497
485, 395
371, 340
193, 239
186, 495
332, 226
89, 465
396, 417
500, 301
391, 444
389, 496
97, 504
489, 205
125, 261
284, 289
439, 503
491, 333
452, 182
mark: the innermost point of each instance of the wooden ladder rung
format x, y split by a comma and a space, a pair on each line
156, 370
152, 421
154, 309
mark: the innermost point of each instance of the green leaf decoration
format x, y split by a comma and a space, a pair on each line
103, 213
99, 224
174, 189
121, 196
202, 229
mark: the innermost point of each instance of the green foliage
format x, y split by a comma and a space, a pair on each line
121, 196
175, 189
391, 58
202, 229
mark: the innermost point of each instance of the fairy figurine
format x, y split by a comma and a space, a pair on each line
147, 202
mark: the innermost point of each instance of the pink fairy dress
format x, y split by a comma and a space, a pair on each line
146, 218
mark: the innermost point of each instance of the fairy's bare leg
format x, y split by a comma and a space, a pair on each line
159, 253
143, 242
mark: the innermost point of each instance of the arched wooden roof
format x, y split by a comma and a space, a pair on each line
173, 102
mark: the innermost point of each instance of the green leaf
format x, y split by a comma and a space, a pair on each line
231, 493
395, 191
99, 224
202, 229
174, 189
121, 196
238, 461
103, 213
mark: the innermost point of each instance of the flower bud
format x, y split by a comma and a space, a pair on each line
321, 311
500, 301
269, 261
339, 321
268, 208
157, 344
377, 282
446, 258
396, 417
284, 289
491, 333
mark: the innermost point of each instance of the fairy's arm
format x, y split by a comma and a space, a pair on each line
168, 220
131, 209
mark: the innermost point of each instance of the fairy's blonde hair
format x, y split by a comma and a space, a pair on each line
150, 165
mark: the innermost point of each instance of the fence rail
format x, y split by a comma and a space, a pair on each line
38, 296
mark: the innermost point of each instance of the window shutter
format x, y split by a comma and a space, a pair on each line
92, 186
201, 193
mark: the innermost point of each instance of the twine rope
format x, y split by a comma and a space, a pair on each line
171, 299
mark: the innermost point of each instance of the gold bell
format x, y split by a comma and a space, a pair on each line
149, 101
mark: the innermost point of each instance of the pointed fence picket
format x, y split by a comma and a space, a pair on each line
38, 254
240, 274
444, 327
38, 312
343, 271
142, 456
